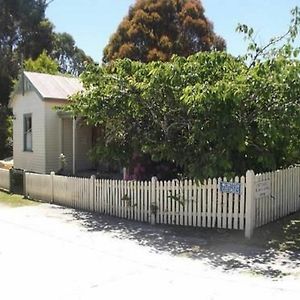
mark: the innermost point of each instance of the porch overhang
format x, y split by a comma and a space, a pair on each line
67, 115
64, 114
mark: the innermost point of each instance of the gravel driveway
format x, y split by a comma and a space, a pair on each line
50, 252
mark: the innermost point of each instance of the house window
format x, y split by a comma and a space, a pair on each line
28, 132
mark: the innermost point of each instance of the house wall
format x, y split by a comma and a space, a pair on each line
51, 136
33, 161
53, 142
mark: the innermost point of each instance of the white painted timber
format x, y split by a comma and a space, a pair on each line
34, 160
277, 195
184, 202
4, 179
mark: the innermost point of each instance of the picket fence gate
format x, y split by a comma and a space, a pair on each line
260, 198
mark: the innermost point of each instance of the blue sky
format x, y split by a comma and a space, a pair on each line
91, 22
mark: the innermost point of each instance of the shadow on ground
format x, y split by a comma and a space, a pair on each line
274, 250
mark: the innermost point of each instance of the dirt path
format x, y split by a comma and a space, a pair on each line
49, 252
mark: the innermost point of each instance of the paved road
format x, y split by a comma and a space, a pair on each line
47, 252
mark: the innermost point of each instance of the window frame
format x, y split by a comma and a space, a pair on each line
27, 131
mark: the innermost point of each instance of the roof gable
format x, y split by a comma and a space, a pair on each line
54, 86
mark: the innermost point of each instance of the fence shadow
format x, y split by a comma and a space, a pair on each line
268, 253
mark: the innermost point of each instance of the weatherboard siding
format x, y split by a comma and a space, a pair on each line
46, 137
52, 137
38, 94
34, 161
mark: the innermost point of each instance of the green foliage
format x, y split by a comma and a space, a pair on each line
155, 30
43, 64
24, 34
5, 132
23, 30
71, 59
277, 46
211, 114
166, 110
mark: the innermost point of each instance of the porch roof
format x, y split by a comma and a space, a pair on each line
64, 114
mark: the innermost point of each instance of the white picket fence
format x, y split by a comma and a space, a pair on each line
258, 200
283, 197
187, 202
38, 186
4, 179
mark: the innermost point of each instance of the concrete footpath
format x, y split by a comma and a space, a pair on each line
49, 252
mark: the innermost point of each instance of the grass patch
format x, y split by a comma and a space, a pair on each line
14, 200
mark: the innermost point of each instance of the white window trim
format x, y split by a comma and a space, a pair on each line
27, 144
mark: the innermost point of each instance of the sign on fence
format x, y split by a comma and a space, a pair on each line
263, 189
230, 187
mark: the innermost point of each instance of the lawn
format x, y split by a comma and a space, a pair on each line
14, 200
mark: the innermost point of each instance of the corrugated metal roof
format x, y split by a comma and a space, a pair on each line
54, 86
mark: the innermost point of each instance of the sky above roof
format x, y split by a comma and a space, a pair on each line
92, 22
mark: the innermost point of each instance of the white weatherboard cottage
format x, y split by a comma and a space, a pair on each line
40, 132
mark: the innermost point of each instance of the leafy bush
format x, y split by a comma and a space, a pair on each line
210, 114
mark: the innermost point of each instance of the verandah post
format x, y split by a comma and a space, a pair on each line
250, 204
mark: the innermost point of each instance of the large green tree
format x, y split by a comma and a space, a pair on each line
25, 33
155, 30
211, 114
70, 58
65, 58
43, 64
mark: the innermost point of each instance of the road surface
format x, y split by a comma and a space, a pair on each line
49, 252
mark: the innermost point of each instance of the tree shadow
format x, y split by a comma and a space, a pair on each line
223, 249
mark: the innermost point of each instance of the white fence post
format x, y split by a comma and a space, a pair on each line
250, 204
92, 193
153, 204
52, 187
